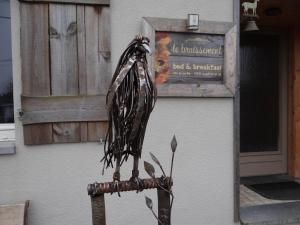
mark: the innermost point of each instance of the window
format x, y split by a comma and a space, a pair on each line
7, 133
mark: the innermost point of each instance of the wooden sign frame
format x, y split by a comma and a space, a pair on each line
224, 89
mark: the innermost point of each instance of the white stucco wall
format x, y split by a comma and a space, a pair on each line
54, 177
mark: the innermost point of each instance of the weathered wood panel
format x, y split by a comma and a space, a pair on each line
88, 2
97, 131
14, 214
74, 59
104, 35
97, 65
82, 70
64, 69
81, 63
97, 60
38, 134
35, 64
230, 59
63, 109
63, 48
66, 132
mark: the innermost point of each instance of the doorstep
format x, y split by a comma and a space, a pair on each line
271, 214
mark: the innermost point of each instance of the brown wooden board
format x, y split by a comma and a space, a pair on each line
97, 65
35, 65
64, 71
63, 109
65, 53
86, 2
81, 63
199, 63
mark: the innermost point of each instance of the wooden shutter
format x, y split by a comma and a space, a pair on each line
65, 51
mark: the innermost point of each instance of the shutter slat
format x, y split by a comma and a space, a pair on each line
64, 64
97, 62
82, 64
35, 65
66, 132
63, 48
63, 109
92, 2
97, 131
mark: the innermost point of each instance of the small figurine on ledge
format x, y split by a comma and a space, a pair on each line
248, 20
130, 100
250, 5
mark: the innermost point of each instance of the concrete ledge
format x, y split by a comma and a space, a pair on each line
7, 148
271, 214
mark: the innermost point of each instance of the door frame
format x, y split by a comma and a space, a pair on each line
236, 118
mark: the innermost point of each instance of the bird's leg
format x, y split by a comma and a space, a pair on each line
116, 177
135, 174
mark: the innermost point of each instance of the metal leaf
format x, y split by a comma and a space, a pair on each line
155, 159
174, 144
149, 202
149, 169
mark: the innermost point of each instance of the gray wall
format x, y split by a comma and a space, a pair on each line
54, 177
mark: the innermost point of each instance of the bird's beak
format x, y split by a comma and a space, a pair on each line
147, 48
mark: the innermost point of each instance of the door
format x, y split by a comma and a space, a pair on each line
263, 93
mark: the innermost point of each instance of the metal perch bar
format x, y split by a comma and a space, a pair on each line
109, 187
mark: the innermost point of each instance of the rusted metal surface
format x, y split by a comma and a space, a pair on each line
164, 207
98, 210
96, 189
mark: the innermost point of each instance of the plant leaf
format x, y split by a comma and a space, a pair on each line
149, 202
149, 169
174, 144
155, 159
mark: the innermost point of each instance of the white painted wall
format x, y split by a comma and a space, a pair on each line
54, 177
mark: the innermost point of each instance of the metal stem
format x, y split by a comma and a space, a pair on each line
172, 163
156, 217
162, 170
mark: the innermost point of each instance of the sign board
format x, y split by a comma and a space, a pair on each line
188, 58
192, 63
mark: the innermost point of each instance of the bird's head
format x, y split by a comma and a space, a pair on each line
142, 44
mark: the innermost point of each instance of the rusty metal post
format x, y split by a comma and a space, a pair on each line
164, 214
98, 205
98, 209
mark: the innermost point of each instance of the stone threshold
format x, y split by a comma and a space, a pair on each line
271, 214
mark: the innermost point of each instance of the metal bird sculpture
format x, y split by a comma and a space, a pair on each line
130, 100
